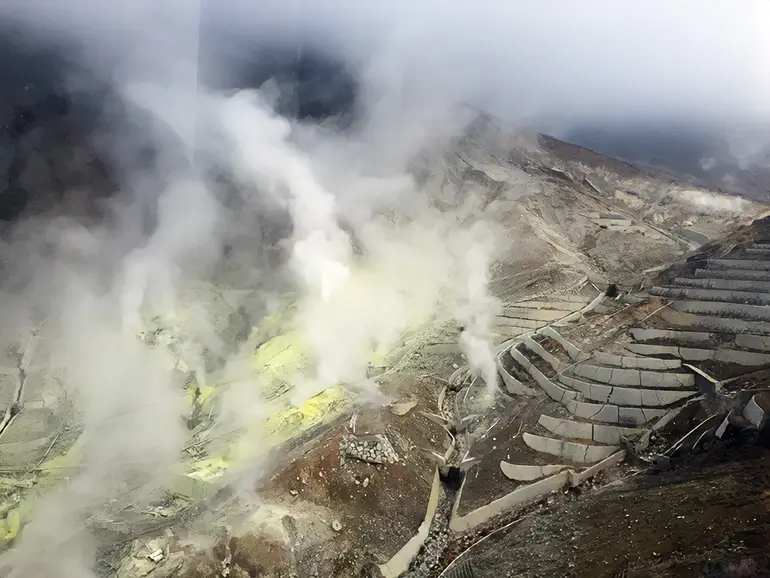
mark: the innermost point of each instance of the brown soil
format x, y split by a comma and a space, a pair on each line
676, 524
538, 362
554, 348
485, 482
259, 556
517, 371
201, 566
722, 371
379, 507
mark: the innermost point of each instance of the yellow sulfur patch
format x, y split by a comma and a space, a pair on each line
313, 411
378, 360
279, 361
205, 393
61, 466
12, 525
208, 469
284, 424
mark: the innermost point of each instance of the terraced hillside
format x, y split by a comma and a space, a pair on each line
665, 387
601, 374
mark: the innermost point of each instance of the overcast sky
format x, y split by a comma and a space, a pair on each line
563, 61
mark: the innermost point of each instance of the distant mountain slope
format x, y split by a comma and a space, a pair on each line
705, 156
569, 212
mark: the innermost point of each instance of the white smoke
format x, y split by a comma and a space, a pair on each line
413, 264
713, 204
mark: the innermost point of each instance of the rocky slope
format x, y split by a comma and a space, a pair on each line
349, 486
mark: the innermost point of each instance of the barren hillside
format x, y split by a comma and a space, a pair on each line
348, 486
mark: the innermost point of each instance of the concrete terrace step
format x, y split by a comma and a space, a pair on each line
627, 362
585, 430
572, 351
530, 473
572, 451
742, 264
714, 324
617, 393
722, 309
581, 300
552, 390
511, 383
725, 284
533, 313
751, 253
554, 305
755, 342
517, 322
613, 414
625, 396
717, 295
642, 334
757, 411
527, 493
736, 356
604, 412
536, 348
510, 331
743, 274
633, 377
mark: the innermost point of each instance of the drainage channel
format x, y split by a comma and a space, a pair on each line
451, 474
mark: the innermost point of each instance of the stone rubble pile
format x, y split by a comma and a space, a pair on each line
374, 449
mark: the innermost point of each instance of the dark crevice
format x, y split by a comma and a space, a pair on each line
451, 477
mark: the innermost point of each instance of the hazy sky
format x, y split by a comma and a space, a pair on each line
565, 61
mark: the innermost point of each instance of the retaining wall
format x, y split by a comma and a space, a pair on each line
604, 434
716, 295
528, 473
572, 451
400, 562
608, 413
642, 334
571, 349
635, 362
721, 309
728, 284
633, 377
555, 392
533, 313
546, 356
732, 274
715, 324
757, 342
746, 264
626, 396
756, 411
518, 323
555, 305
